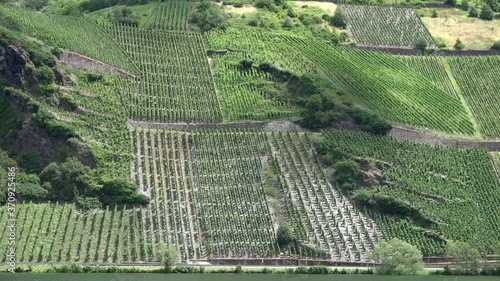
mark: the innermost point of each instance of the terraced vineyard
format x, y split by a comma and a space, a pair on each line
72, 33
176, 85
385, 26
229, 173
380, 81
456, 188
170, 15
163, 170
330, 221
433, 69
247, 95
60, 233
478, 80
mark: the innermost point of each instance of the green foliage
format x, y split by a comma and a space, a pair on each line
318, 269
68, 180
119, 191
288, 24
487, 13
209, 16
452, 3
45, 75
467, 259
421, 44
319, 112
54, 127
69, 101
434, 14
473, 13
30, 161
370, 123
459, 45
32, 192
397, 258
284, 235
494, 5
329, 36
340, 18
496, 45
347, 174
123, 15
465, 5
169, 256
238, 269
94, 5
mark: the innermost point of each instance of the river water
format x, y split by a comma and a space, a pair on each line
226, 277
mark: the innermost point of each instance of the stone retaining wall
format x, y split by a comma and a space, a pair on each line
78, 61
400, 133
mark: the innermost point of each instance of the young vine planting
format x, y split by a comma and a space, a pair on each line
385, 26
163, 170
235, 210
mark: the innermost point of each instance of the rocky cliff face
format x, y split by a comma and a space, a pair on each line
13, 63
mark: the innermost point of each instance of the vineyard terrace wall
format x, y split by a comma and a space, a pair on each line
78, 61
400, 133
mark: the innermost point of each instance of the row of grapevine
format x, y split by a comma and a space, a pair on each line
52, 233
380, 81
332, 222
457, 188
433, 69
163, 170
235, 211
176, 84
72, 33
170, 15
247, 95
385, 26
478, 80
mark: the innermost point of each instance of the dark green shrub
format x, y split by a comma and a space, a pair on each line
31, 191
284, 235
496, 45
340, 18
459, 45
301, 270
487, 13
421, 44
465, 5
45, 75
118, 191
318, 270
473, 13
347, 171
